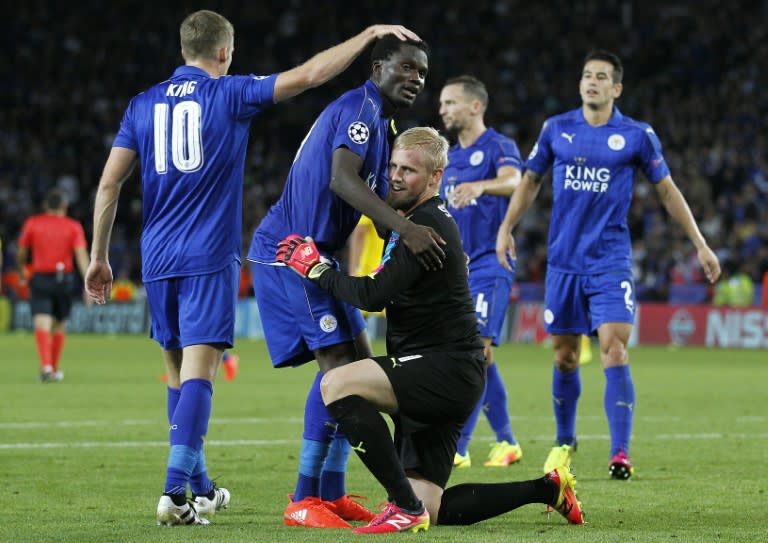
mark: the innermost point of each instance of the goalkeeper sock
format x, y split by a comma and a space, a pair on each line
566, 389
332, 477
496, 406
619, 406
470, 503
369, 435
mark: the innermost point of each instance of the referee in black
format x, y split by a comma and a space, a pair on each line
434, 372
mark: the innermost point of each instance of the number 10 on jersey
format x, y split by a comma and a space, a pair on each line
186, 137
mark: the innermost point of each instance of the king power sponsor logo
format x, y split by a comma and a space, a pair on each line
586, 179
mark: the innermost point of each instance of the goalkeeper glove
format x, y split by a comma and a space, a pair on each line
301, 255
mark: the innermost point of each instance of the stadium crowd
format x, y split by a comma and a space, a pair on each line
695, 71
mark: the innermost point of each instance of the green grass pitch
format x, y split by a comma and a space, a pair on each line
83, 460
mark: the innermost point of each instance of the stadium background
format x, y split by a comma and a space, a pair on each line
81, 461
695, 71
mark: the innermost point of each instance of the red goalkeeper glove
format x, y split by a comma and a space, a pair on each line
301, 255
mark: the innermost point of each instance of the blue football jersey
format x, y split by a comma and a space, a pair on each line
191, 134
479, 221
593, 182
308, 206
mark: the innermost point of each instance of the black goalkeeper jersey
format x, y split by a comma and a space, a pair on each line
427, 311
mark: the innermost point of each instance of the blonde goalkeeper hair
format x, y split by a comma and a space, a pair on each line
429, 140
203, 33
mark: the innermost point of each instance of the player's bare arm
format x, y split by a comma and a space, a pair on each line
423, 241
677, 207
331, 62
504, 184
98, 277
521, 200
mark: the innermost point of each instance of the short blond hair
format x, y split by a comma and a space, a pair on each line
430, 141
203, 33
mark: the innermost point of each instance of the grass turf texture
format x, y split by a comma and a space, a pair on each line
83, 460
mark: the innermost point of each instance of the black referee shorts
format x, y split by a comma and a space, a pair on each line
436, 393
51, 294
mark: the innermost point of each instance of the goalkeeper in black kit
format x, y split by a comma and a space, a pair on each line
434, 370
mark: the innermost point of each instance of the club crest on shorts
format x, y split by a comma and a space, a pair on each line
358, 132
549, 317
328, 323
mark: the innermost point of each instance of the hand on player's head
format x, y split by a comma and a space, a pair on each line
299, 254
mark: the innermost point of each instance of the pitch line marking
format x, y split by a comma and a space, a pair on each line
275, 442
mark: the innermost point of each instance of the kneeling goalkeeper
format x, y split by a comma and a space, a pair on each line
434, 372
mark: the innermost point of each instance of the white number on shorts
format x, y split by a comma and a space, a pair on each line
186, 137
628, 302
481, 306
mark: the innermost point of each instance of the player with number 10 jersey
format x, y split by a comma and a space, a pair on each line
192, 189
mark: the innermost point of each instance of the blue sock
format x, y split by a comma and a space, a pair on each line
188, 428
619, 406
318, 432
173, 399
199, 481
466, 433
496, 406
566, 389
332, 478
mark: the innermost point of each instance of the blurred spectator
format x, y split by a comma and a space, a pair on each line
736, 288
123, 290
697, 71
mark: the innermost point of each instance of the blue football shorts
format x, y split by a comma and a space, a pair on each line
490, 294
194, 310
579, 304
299, 316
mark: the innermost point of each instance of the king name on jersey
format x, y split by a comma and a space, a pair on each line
586, 178
188, 87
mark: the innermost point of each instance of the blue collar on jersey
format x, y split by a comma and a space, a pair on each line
189, 70
616, 117
373, 89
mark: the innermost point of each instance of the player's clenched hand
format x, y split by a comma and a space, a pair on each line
505, 248
710, 263
425, 243
301, 255
98, 281
398, 30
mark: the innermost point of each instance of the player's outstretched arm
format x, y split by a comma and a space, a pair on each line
677, 207
521, 200
423, 241
331, 62
98, 276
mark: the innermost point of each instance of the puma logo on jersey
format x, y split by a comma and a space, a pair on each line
568, 136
